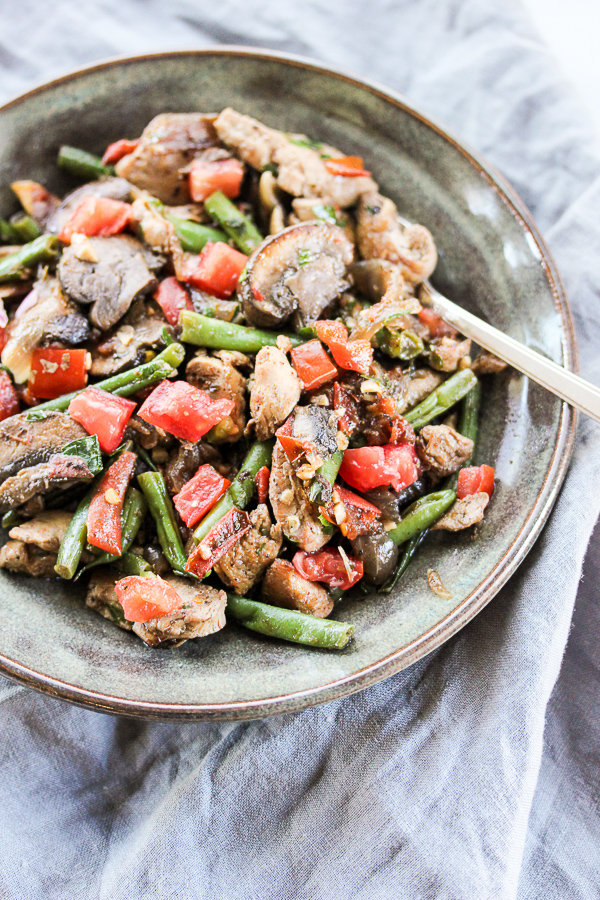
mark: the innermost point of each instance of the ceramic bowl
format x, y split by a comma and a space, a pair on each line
492, 260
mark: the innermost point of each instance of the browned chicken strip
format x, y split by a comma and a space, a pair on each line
275, 392
283, 586
244, 563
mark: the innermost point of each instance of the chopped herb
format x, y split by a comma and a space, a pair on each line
304, 257
37, 415
272, 168
328, 214
306, 142
88, 448
373, 210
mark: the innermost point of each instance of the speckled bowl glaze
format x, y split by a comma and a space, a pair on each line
492, 260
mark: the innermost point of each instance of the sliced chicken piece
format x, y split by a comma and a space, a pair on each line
275, 392
442, 449
300, 271
124, 270
168, 144
45, 316
137, 333
301, 170
59, 472
464, 513
298, 517
447, 352
486, 363
381, 235
27, 559
202, 613
244, 563
46, 530
218, 375
24, 443
283, 586
102, 597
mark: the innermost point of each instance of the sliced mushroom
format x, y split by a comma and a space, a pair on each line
378, 554
123, 271
300, 270
167, 145
25, 443
113, 188
138, 332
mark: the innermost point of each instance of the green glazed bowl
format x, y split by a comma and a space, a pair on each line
492, 260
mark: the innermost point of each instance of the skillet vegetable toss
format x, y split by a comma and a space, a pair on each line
222, 393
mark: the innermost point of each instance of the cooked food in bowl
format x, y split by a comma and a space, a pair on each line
222, 394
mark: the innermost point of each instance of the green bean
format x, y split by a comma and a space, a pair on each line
75, 539
145, 457
11, 518
24, 227
237, 226
132, 516
410, 548
241, 490
288, 624
400, 344
42, 249
205, 331
329, 471
161, 510
421, 514
82, 164
442, 398
125, 383
468, 426
7, 233
132, 564
193, 237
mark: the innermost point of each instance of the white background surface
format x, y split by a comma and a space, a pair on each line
572, 30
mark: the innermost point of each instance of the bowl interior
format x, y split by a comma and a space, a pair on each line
490, 261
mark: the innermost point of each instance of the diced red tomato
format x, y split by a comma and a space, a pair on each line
313, 365
349, 166
172, 298
103, 414
360, 514
344, 399
291, 445
104, 514
217, 270
200, 494
437, 326
262, 479
354, 355
97, 217
56, 371
364, 468
115, 152
221, 537
475, 480
208, 176
9, 399
328, 566
145, 598
183, 410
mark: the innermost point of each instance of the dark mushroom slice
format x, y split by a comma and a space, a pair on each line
140, 331
301, 270
391, 502
122, 271
45, 316
317, 426
378, 554
113, 188
59, 472
167, 145
24, 443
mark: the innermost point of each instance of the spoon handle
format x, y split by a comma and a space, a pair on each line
570, 387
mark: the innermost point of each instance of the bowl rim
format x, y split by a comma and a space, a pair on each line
504, 568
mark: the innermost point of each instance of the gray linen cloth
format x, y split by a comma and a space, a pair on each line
435, 783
